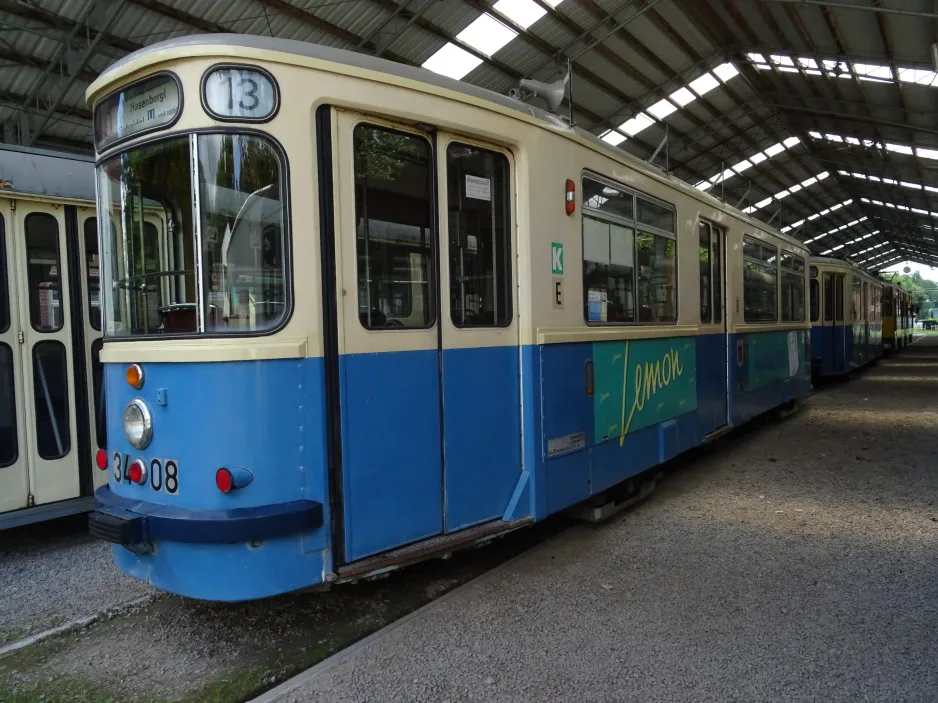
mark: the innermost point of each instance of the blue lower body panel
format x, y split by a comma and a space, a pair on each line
653, 399
268, 537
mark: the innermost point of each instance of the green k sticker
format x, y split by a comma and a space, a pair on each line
556, 259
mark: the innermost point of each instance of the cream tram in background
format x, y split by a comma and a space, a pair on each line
846, 316
396, 314
51, 398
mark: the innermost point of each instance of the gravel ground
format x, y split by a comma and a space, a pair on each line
797, 560
55, 573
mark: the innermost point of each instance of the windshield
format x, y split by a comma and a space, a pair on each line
173, 268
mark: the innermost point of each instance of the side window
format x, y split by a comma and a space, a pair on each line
9, 449
815, 304
760, 281
394, 230
4, 277
828, 297
93, 271
479, 199
839, 298
45, 283
608, 271
867, 302
792, 287
629, 269
706, 293
50, 385
717, 237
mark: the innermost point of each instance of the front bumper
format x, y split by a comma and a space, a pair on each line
135, 523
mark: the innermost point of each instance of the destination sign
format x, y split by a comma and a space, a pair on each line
142, 107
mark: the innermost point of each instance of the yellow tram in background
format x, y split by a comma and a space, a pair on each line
51, 396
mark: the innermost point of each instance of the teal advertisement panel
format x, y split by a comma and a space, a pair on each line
642, 382
775, 356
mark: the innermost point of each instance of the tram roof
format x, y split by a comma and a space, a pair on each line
413, 73
43, 172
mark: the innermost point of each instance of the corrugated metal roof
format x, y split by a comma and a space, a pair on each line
629, 55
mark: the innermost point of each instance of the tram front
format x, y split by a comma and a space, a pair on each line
214, 383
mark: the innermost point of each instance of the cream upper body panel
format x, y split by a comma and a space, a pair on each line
545, 152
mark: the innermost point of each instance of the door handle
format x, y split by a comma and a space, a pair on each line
589, 378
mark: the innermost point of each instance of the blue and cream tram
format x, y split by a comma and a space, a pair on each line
51, 400
391, 314
846, 316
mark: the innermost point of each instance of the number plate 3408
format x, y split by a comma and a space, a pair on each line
162, 474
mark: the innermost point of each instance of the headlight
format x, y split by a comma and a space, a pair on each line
138, 424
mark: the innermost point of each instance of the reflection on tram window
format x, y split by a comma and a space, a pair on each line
148, 243
8, 441
242, 234
97, 387
50, 397
45, 283
4, 277
394, 228
93, 271
479, 237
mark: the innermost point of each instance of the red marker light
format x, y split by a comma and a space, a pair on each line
570, 197
138, 472
224, 480
100, 459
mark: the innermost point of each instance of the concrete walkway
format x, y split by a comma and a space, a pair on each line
794, 561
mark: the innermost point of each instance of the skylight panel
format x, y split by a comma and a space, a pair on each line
775, 150
486, 34
781, 60
899, 148
807, 62
758, 58
853, 140
927, 153
782, 194
758, 158
524, 13
728, 173
787, 69
662, 108
762, 203
703, 185
790, 142
636, 124
918, 75
906, 184
704, 84
613, 137
810, 182
763, 66
742, 166
452, 61
816, 135
682, 96
795, 188
873, 71
833, 138
813, 72
725, 71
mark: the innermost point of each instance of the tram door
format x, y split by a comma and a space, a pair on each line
42, 278
427, 337
14, 472
91, 333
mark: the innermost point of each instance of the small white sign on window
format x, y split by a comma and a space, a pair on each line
478, 188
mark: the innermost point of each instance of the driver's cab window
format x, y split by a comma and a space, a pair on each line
394, 231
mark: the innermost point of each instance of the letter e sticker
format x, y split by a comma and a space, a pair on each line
557, 293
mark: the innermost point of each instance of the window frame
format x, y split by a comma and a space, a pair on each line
814, 300
58, 266
6, 313
637, 228
509, 238
15, 418
285, 197
790, 257
433, 269
765, 264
